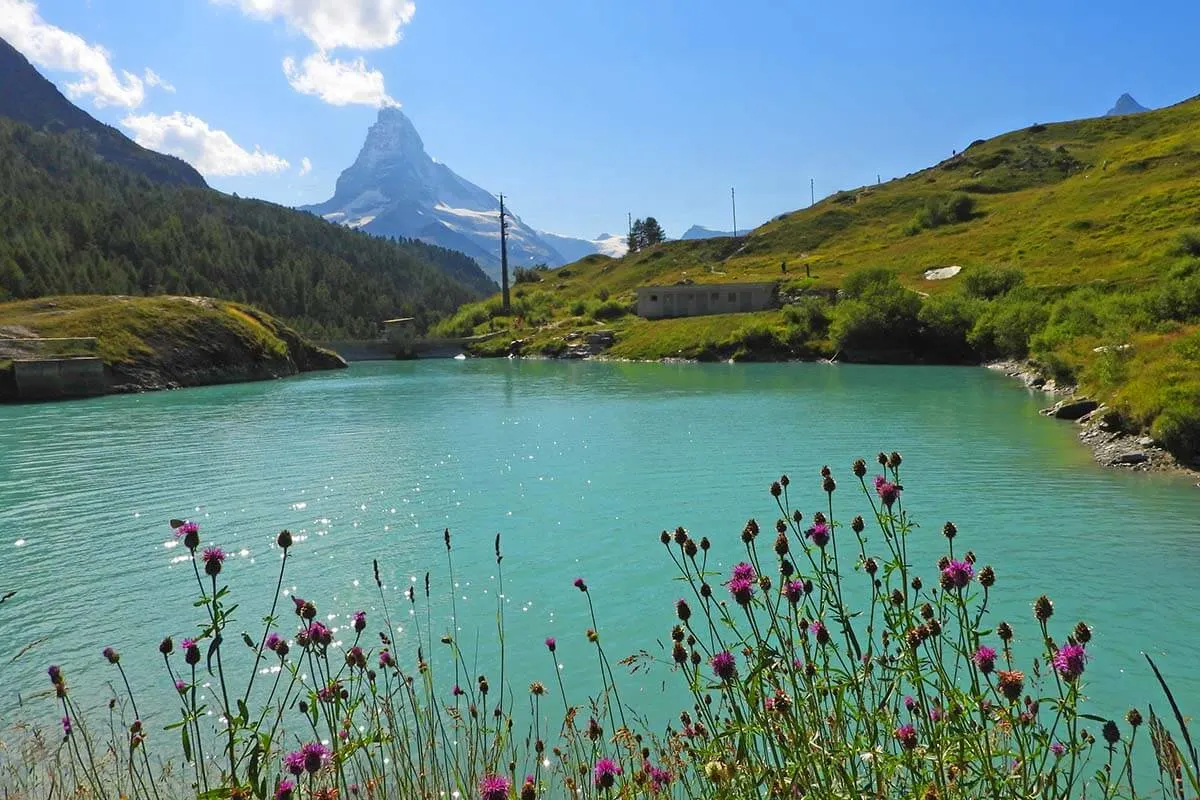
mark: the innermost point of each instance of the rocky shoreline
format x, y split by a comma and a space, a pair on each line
1099, 426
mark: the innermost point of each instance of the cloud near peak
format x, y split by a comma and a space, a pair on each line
213, 152
51, 47
356, 24
339, 83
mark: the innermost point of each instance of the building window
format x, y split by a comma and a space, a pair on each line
716, 297
733, 297
653, 298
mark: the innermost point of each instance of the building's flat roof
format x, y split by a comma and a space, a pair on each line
709, 286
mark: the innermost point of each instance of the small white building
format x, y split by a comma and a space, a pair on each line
699, 299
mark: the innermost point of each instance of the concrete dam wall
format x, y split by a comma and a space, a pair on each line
57, 378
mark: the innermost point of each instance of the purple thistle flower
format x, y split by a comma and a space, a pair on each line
318, 633
494, 787
909, 702
272, 642
888, 492
936, 714
724, 666
580, 585
360, 621
1058, 748
550, 643
906, 735
660, 778
794, 591
55, 673
457, 691
316, 756
180, 686
744, 572
213, 558
284, 790
742, 590
293, 762
186, 528
66, 723
191, 652
958, 574
1068, 661
111, 655
985, 659
605, 773
819, 632
819, 534
385, 659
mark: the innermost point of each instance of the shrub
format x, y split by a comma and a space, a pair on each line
610, 309
1004, 329
807, 320
1187, 243
938, 211
878, 315
529, 274
988, 283
946, 320
832, 642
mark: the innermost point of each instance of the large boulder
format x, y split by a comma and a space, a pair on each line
1072, 409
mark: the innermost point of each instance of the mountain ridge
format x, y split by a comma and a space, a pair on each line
28, 97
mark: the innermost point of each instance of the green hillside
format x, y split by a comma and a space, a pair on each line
1071, 237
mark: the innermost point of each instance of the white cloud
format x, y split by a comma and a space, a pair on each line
357, 24
155, 80
51, 47
305, 166
339, 83
213, 152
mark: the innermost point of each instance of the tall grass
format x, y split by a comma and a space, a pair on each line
825, 664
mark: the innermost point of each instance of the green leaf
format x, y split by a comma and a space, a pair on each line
243, 712
187, 744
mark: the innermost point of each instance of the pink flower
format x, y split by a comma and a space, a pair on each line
494, 787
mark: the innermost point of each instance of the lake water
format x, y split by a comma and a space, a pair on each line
578, 466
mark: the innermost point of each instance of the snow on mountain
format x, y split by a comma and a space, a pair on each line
394, 188
573, 249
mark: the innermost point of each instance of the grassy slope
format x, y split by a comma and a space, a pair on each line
173, 339
1095, 202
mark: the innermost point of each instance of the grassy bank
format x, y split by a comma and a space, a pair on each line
156, 342
1078, 243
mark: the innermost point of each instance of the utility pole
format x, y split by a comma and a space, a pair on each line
504, 258
733, 200
812, 193
629, 239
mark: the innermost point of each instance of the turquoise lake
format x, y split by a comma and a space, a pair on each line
577, 466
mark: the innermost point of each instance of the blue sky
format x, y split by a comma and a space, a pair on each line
581, 110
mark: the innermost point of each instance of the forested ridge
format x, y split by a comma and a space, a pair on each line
71, 223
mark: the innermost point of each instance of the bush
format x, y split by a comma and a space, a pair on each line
878, 317
1004, 329
938, 211
806, 320
1187, 243
988, 283
610, 309
946, 321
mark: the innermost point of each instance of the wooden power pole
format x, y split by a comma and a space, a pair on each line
733, 200
504, 258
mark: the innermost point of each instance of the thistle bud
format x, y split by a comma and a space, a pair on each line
987, 577
776, 489
1112, 734
1083, 634
284, 539
783, 481
857, 524
781, 545
859, 468
949, 530
829, 484
664, 537
1004, 631
1043, 608
1133, 717
704, 543
894, 460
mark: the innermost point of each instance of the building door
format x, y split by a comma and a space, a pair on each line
702, 303
744, 303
